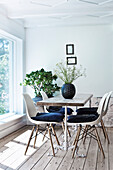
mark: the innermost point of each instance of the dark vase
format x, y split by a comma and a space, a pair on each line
68, 91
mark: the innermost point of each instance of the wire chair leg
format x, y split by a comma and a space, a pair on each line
29, 140
86, 129
46, 131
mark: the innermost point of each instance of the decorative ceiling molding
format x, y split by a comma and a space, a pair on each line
96, 2
18, 14
101, 15
9, 1
42, 4
58, 12
49, 4
60, 17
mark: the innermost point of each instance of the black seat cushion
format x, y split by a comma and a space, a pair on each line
49, 117
60, 110
82, 118
87, 110
54, 108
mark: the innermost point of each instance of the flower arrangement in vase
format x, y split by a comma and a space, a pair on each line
68, 74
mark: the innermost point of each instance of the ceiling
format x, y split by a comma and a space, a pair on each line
38, 13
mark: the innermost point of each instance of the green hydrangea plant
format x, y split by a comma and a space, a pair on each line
41, 79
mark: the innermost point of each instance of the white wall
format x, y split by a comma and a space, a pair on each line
46, 46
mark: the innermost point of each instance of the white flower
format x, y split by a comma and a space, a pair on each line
69, 73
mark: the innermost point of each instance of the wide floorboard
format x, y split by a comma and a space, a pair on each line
13, 146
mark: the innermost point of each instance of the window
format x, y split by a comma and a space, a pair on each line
6, 75
11, 74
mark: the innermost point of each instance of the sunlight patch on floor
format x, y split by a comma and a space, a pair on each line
12, 154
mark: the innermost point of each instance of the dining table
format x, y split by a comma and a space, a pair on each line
79, 100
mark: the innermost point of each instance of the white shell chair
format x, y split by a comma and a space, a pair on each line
93, 110
104, 113
76, 119
44, 96
31, 114
46, 108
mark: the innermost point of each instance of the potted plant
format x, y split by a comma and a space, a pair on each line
68, 74
41, 79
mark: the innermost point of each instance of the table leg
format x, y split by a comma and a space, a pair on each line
65, 134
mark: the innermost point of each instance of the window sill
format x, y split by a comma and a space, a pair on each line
9, 117
11, 123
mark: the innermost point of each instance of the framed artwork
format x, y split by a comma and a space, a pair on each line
70, 49
71, 60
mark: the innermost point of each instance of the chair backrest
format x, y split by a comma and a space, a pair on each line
99, 111
30, 108
44, 96
101, 107
107, 103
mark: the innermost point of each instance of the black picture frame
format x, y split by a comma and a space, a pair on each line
71, 60
69, 49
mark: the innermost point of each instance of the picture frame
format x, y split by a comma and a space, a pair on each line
71, 60
70, 49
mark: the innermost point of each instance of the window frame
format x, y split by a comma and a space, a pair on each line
17, 77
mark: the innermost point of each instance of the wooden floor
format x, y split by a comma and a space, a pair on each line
13, 146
